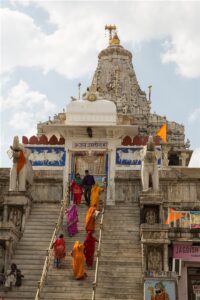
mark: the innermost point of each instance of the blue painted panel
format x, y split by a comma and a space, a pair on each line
47, 156
131, 156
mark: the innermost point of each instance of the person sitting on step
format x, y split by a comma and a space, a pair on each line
14, 277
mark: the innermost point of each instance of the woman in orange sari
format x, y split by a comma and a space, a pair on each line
90, 219
78, 260
95, 192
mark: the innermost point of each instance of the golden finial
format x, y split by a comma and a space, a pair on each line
115, 40
110, 28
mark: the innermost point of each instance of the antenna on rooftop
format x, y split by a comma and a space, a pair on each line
79, 90
150, 87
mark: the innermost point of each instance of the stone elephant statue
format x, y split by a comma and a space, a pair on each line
149, 167
21, 171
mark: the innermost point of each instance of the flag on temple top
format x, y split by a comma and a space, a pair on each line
162, 132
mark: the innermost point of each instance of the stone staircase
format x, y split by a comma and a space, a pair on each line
31, 250
120, 266
60, 283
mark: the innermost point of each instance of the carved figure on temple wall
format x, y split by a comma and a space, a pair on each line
21, 171
125, 109
150, 217
149, 167
154, 260
15, 217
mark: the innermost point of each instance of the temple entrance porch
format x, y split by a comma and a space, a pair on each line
94, 161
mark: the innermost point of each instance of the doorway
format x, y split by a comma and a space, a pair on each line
194, 283
96, 162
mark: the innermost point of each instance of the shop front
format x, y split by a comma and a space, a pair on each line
188, 255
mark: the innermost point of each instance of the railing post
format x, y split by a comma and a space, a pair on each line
94, 284
49, 250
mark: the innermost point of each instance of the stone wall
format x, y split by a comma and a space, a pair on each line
48, 185
180, 186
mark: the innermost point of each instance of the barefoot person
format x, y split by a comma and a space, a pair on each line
76, 188
89, 248
90, 219
95, 193
72, 220
59, 247
78, 260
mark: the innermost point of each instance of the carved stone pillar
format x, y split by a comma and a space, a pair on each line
184, 157
7, 254
111, 178
5, 213
166, 266
165, 150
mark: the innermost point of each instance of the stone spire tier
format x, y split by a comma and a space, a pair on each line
115, 80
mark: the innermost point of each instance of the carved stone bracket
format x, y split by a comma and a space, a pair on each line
151, 199
16, 209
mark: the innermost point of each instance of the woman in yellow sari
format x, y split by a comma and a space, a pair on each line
78, 259
90, 219
95, 192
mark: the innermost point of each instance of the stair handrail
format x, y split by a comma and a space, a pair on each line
49, 254
95, 282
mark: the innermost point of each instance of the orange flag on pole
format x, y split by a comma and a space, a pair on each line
162, 132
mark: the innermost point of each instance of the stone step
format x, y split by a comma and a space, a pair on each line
31, 250
120, 267
67, 296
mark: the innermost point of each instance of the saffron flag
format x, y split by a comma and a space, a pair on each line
173, 216
162, 132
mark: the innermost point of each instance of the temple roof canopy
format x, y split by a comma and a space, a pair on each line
91, 112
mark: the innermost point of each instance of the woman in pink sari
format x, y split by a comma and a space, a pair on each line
72, 220
76, 189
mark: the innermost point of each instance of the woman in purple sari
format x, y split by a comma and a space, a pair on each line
72, 220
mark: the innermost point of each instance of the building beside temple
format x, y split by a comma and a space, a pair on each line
151, 239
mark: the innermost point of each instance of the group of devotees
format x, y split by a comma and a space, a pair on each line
81, 252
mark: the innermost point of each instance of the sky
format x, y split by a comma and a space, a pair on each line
48, 47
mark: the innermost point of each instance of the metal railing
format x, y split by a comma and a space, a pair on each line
95, 282
49, 254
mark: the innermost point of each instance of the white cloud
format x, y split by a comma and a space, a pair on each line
194, 115
195, 159
25, 108
71, 50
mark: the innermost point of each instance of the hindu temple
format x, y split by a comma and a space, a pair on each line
149, 224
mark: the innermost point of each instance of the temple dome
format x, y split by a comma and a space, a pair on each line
99, 112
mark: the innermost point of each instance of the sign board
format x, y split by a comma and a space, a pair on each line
195, 219
196, 289
90, 145
186, 252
